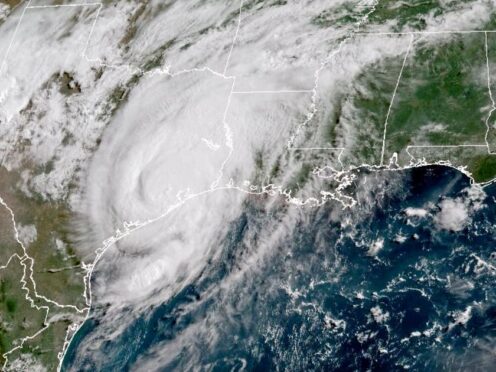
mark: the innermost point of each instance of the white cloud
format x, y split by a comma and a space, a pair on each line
376, 247
154, 148
456, 213
27, 233
452, 216
461, 317
4, 11
379, 315
416, 212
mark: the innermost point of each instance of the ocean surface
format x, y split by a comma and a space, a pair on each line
383, 286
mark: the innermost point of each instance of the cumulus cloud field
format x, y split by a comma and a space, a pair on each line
177, 112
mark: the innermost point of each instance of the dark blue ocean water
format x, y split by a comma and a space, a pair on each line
306, 293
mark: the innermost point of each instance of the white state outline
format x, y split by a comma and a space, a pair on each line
33, 305
26, 261
416, 160
7, 52
282, 91
29, 269
228, 61
270, 189
407, 53
313, 105
63, 5
493, 104
427, 32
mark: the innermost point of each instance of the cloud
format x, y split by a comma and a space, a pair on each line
27, 233
376, 247
379, 315
452, 216
456, 213
173, 137
416, 212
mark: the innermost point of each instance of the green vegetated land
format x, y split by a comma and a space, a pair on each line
56, 271
442, 100
442, 95
491, 42
44, 348
365, 110
410, 13
18, 318
11, 3
399, 15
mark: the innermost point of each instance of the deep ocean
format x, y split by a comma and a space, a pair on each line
370, 288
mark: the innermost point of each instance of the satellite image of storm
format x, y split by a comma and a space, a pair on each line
248, 185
